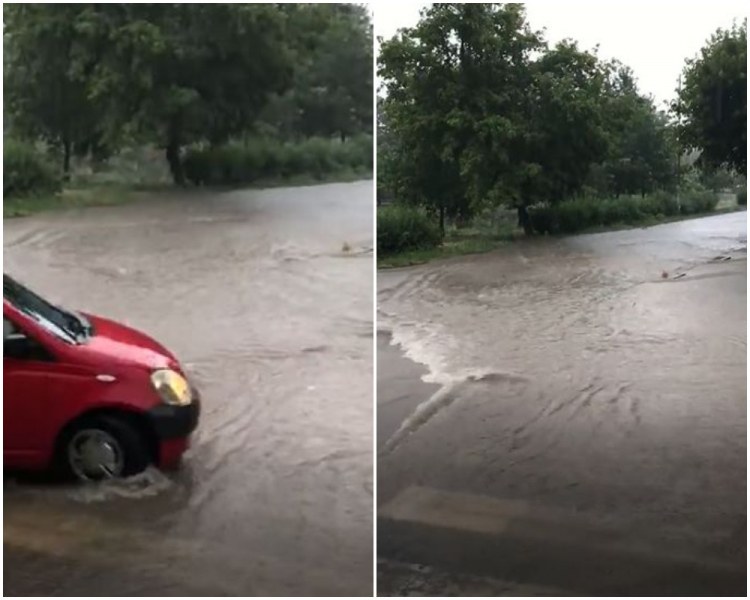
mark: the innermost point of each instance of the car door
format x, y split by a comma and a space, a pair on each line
26, 379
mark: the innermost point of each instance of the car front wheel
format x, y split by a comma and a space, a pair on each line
104, 447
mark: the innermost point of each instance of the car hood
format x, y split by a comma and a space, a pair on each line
124, 345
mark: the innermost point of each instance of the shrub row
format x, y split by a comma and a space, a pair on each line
26, 171
239, 163
402, 228
576, 215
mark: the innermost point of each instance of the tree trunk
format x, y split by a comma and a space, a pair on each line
442, 219
67, 150
524, 220
175, 163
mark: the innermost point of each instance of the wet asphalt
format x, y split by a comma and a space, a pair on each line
266, 298
567, 416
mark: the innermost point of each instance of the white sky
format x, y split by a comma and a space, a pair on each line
653, 38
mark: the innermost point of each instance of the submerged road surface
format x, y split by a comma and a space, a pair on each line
572, 419
272, 317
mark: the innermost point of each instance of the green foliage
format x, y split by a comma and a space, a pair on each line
239, 163
697, 202
642, 151
403, 228
742, 197
661, 203
178, 73
720, 179
90, 78
456, 105
480, 112
26, 171
332, 90
44, 97
576, 215
567, 124
713, 100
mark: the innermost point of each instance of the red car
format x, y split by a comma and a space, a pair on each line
87, 396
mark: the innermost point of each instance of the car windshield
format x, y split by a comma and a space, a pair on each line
66, 325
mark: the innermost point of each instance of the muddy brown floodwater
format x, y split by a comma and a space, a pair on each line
273, 320
572, 416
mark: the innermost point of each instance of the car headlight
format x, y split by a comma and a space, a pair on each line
172, 387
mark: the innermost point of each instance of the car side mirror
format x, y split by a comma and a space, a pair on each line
15, 344
18, 345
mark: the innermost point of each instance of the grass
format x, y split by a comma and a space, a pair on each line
448, 249
485, 238
88, 193
344, 176
78, 196
140, 170
457, 242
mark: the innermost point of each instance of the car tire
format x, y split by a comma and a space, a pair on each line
124, 447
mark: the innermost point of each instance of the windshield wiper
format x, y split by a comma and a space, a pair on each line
50, 325
77, 325
88, 328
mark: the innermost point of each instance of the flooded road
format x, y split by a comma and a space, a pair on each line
266, 298
569, 414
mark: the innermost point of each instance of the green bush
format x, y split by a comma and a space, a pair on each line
694, 202
26, 171
624, 210
660, 204
246, 162
578, 214
742, 197
402, 228
544, 219
571, 214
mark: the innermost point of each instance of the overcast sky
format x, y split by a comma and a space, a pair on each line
653, 38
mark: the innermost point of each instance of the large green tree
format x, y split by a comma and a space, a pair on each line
454, 89
332, 91
44, 97
567, 131
641, 143
168, 74
482, 113
178, 73
713, 100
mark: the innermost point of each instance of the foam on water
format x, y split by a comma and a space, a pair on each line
147, 484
